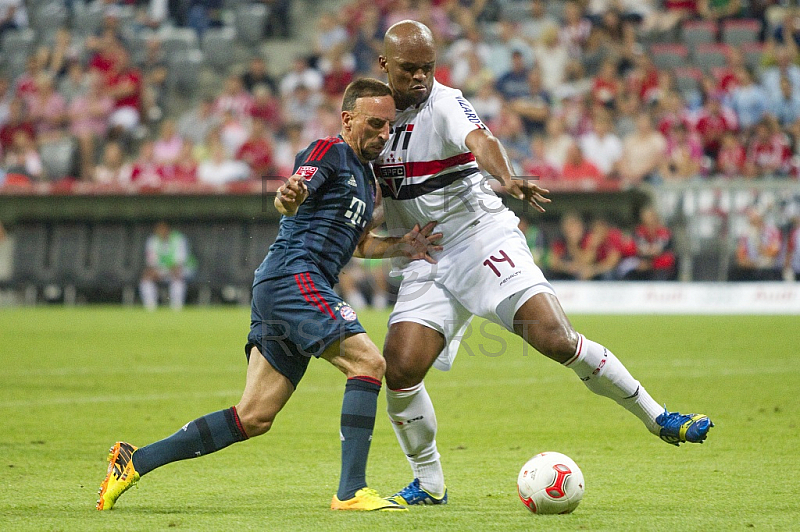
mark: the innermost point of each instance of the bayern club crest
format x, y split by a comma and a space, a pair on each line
347, 313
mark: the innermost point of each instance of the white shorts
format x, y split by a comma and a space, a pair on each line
473, 278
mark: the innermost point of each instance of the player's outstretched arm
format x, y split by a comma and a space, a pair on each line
291, 195
492, 157
417, 244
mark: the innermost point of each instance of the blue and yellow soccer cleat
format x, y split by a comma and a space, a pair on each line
366, 499
414, 494
121, 475
680, 428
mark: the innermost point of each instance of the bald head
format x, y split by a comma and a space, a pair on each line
409, 60
407, 34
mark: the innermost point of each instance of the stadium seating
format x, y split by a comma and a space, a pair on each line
695, 32
58, 157
218, 47
709, 56
739, 32
688, 79
250, 21
669, 56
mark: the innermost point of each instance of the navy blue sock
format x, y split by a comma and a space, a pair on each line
204, 435
358, 419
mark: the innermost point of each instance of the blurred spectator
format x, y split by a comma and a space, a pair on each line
257, 74
606, 86
145, 170
459, 55
487, 102
233, 132
534, 237
642, 153
364, 284
757, 251
154, 75
267, 107
124, 84
719, 9
602, 146
76, 81
47, 108
604, 248
575, 30
21, 156
301, 105
204, 14
17, 120
557, 143
279, 21
552, 58
184, 171
768, 151
655, 259
257, 151
220, 168
784, 68
536, 164
287, 148
672, 111
625, 119
731, 157
684, 154
13, 15
6, 95
196, 123
234, 99
514, 83
113, 169
336, 78
64, 52
534, 107
25, 84
168, 145
168, 260
533, 27
508, 128
300, 75
579, 170
713, 122
500, 49
368, 40
788, 31
792, 259
330, 37
88, 121
566, 253
786, 107
749, 100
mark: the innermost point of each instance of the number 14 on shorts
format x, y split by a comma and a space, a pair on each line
492, 260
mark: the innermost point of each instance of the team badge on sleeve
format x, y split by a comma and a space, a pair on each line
307, 172
347, 313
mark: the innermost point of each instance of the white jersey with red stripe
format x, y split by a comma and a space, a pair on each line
427, 173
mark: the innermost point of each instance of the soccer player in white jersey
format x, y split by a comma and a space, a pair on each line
429, 170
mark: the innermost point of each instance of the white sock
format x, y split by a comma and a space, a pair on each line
605, 375
414, 421
379, 300
177, 293
355, 300
148, 291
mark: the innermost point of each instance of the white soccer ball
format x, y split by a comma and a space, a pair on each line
550, 483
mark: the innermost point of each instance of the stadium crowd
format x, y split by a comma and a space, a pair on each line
587, 94
583, 92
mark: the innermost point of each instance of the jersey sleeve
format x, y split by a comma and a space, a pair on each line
318, 163
454, 119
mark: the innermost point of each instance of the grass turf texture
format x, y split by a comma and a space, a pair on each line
76, 380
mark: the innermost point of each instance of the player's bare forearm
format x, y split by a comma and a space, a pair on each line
492, 157
417, 244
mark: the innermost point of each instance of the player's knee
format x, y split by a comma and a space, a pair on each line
557, 342
255, 423
371, 364
402, 373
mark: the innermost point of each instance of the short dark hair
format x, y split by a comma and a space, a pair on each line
363, 88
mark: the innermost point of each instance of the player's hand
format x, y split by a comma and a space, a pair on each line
527, 190
419, 243
292, 194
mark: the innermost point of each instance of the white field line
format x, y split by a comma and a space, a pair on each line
695, 373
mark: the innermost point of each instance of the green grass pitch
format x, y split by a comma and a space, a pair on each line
75, 380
